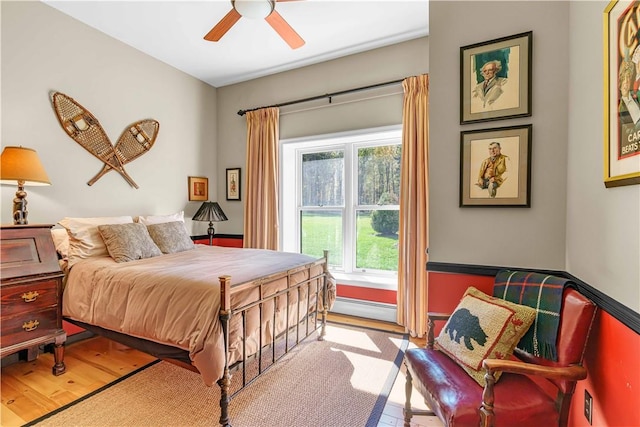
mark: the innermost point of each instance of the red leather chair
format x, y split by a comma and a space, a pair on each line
516, 400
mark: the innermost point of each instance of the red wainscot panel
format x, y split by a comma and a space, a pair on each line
613, 364
230, 242
227, 240
368, 294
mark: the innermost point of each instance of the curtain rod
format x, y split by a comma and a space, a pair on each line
328, 95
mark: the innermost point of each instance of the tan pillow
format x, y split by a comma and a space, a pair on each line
61, 241
483, 327
159, 219
128, 242
84, 239
171, 237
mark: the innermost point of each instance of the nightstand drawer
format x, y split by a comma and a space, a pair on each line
28, 297
25, 327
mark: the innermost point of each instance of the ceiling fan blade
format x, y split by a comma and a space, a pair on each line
284, 29
223, 26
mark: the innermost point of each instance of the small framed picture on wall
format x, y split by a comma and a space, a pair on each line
233, 184
198, 188
495, 167
495, 79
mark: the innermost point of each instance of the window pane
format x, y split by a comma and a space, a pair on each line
322, 230
379, 175
323, 178
377, 240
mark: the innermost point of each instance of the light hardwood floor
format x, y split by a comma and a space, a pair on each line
29, 390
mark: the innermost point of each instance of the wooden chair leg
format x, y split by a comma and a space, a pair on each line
408, 411
487, 415
408, 388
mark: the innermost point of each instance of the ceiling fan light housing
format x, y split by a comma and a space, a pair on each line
254, 9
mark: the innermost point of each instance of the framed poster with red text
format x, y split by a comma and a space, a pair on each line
622, 93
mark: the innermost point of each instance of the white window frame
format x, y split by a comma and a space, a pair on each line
290, 173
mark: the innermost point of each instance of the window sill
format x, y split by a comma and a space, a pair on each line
367, 280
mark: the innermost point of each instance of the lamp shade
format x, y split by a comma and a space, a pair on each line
20, 164
210, 211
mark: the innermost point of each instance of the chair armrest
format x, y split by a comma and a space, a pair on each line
568, 373
487, 415
431, 318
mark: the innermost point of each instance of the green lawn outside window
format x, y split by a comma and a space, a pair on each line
374, 251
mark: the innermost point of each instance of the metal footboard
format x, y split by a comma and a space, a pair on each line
310, 307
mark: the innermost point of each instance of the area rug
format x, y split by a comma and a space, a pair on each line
342, 381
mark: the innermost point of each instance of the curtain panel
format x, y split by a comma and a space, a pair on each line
414, 212
261, 225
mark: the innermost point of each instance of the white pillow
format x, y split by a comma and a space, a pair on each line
84, 238
61, 241
159, 219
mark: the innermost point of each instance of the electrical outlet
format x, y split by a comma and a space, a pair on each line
588, 406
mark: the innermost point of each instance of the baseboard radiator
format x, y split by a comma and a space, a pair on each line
366, 309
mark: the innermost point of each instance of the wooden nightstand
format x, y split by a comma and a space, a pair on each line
30, 292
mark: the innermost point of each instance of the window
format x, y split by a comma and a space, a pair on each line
340, 192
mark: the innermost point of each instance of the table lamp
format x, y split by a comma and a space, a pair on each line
21, 165
210, 211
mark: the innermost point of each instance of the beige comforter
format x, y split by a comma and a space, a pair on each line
174, 299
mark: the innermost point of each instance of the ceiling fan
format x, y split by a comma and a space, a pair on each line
256, 9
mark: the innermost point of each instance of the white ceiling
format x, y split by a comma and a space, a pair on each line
173, 31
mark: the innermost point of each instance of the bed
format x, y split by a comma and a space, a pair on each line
210, 309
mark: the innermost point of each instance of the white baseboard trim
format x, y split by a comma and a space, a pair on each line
366, 309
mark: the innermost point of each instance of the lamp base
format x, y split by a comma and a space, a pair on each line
20, 206
210, 232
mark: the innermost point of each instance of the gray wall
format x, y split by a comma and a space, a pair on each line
603, 226
519, 237
574, 223
376, 66
44, 50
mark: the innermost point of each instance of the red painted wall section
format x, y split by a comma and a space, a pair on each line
221, 241
228, 242
613, 362
612, 357
367, 294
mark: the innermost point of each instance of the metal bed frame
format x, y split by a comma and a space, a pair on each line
316, 307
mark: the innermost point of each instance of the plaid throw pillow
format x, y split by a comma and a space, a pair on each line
483, 327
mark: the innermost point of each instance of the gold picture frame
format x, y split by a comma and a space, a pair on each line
621, 94
198, 188
495, 167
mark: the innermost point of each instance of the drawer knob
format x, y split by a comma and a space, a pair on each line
30, 296
31, 325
